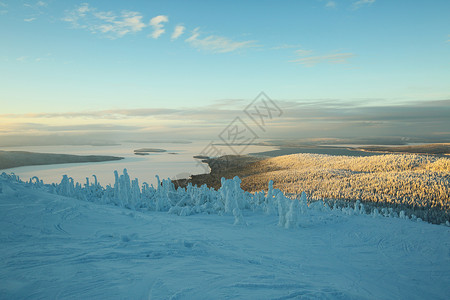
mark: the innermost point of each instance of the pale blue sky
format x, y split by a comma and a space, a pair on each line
70, 56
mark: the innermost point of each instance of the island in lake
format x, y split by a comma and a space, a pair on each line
147, 151
13, 159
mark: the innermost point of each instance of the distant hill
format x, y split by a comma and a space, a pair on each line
436, 149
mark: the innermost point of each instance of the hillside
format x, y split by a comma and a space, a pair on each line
417, 184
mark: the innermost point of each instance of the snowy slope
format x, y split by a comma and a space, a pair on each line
54, 247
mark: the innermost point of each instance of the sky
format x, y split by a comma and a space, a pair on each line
115, 70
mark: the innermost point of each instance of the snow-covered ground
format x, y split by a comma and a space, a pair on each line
56, 247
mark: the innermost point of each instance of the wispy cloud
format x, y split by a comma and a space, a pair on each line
37, 5
28, 59
34, 10
330, 4
158, 26
216, 44
77, 14
102, 114
337, 58
309, 60
128, 22
22, 58
105, 22
179, 30
114, 25
285, 46
302, 52
361, 3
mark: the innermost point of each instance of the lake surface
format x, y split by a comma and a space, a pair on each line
177, 162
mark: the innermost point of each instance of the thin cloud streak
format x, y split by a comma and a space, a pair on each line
325, 108
216, 44
336, 58
285, 46
361, 3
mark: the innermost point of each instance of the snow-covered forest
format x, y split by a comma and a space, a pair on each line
416, 184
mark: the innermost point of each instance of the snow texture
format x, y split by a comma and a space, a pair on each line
73, 241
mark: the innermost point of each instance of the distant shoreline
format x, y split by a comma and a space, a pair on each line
14, 159
328, 150
442, 149
426, 149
